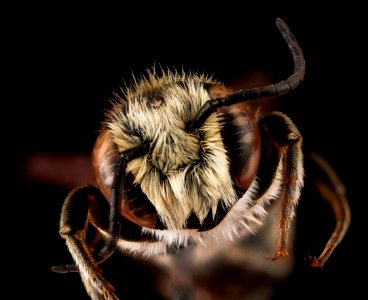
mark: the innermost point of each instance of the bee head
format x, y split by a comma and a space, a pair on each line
184, 172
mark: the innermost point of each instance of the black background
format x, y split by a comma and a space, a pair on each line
64, 64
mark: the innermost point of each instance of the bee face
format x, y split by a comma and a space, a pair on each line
183, 173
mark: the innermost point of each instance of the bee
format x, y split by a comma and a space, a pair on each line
181, 160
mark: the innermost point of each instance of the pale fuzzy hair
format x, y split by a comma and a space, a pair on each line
244, 218
183, 172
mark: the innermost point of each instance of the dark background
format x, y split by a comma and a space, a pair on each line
64, 64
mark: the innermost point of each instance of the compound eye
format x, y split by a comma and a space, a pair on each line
104, 159
242, 140
155, 101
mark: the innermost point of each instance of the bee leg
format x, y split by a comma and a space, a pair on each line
288, 143
76, 215
333, 191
